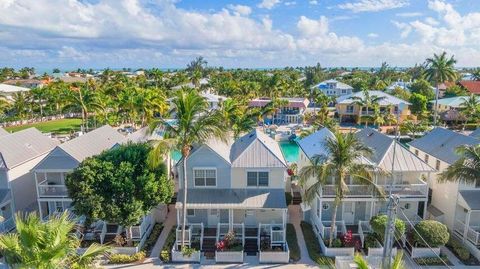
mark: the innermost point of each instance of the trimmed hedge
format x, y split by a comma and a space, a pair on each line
433, 232
458, 249
293, 243
166, 252
123, 259
379, 223
313, 247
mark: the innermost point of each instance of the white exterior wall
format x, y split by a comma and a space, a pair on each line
276, 177
22, 183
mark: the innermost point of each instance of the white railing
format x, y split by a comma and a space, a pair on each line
354, 190
472, 231
7, 225
139, 231
363, 229
339, 227
188, 236
52, 190
417, 188
104, 231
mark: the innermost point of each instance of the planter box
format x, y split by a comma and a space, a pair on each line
425, 252
274, 256
115, 250
375, 252
229, 256
334, 252
177, 256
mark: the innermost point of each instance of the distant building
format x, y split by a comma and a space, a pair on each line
445, 104
27, 83
333, 87
349, 111
404, 85
471, 86
9, 90
292, 112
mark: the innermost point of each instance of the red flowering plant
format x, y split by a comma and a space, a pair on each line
228, 242
348, 240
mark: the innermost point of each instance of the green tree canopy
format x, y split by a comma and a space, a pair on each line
419, 104
423, 87
118, 186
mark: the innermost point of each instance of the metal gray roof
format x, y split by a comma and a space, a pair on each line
314, 144
5, 196
383, 157
387, 100
93, 143
441, 143
234, 198
3, 131
256, 149
22, 146
476, 133
471, 198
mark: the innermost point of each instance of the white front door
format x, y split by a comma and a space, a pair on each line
250, 218
213, 217
349, 212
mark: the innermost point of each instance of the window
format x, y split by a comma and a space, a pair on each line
205, 177
349, 109
426, 158
257, 179
416, 152
344, 91
437, 165
191, 212
326, 206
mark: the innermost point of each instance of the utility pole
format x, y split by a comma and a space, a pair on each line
390, 231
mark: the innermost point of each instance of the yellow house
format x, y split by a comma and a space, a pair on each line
349, 111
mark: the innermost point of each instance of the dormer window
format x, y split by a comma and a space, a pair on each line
205, 177
257, 179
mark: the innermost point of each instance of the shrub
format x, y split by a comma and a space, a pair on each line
433, 260
122, 258
433, 232
188, 251
313, 247
371, 241
457, 247
293, 243
379, 223
165, 253
152, 238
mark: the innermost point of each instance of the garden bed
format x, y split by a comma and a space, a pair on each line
192, 256
165, 254
461, 252
432, 261
292, 241
152, 238
231, 256
313, 247
125, 258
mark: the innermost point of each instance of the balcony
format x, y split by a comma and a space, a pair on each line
473, 234
354, 191
47, 189
406, 189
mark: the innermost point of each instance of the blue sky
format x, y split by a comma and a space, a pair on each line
254, 33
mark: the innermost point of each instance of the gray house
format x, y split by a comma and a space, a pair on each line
239, 186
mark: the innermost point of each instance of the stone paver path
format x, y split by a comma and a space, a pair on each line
295, 217
169, 223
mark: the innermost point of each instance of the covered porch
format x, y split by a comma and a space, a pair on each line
467, 216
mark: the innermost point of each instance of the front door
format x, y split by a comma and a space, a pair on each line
213, 217
250, 218
349, 212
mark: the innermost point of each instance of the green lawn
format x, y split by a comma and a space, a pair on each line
62, 126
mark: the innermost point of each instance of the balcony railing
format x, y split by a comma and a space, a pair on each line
45, 189
472, 231
419, 188
415, 189
354, 190
7, 225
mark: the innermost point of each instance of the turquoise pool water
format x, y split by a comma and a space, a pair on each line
290, 151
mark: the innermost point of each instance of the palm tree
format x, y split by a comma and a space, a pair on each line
237, 117
440, 69
21, 104
339, 162
398, 262
466, 169
470, 108
476, 74
196, 124
366, 101
46, 245
84, 99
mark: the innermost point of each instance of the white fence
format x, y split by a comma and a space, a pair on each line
334, 252
229, 256
177, 256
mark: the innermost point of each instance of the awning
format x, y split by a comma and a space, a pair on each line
234, 198
434, 211
470, 198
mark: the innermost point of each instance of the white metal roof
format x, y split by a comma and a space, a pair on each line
387, 100
5, 88
314, 144
340, 85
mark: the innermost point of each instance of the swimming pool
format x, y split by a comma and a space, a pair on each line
290, 151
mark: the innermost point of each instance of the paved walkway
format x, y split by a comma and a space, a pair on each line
295, 217
169, 223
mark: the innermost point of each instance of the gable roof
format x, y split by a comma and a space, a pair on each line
471, 85
256, 149
3, 132
92, 143
384, 147
340, 85
454, 102
314, 143
387, 100
441, 143
22, 146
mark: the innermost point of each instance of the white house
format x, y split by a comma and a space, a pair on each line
333, 87
455, 204
362, 202
19, 153
8, 90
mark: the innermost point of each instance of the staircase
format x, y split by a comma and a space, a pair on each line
208, 247
296, 198
251, 247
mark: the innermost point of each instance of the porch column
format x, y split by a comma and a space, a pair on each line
40, 211
178, 216
467, 224
319, 210
230, 219
284, 225
425, 207
372, 208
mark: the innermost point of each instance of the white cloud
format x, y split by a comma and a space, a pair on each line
372, 35
290, 3
313, 2
409, 14
373, 5
241, 9
268, 4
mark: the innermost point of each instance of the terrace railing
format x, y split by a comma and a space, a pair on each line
46, 190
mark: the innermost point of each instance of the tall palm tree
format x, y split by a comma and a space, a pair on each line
21, 104
84, 99
466, 169
237, 117
340, 161
195, 125
46, 245
470, 108
398, 262
440, 69
476, 74
366, 101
